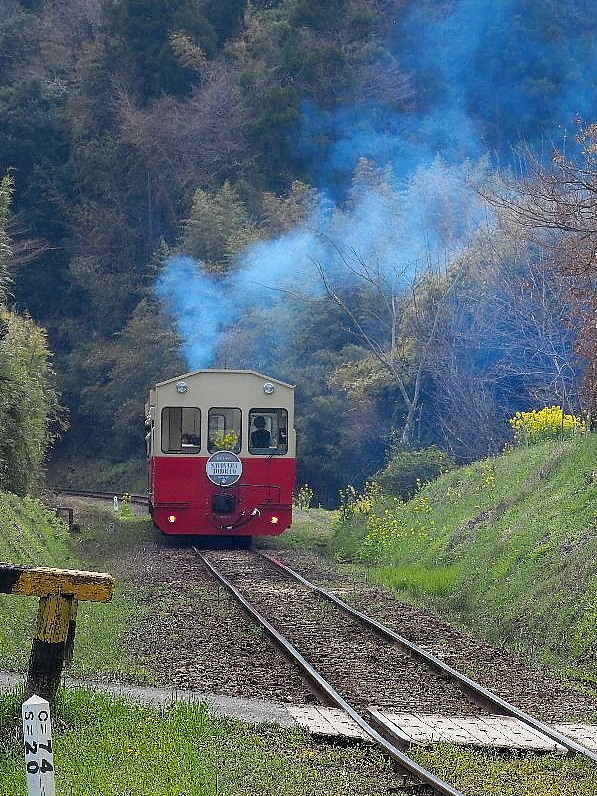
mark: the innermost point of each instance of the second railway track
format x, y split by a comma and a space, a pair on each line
107, 496
353, 663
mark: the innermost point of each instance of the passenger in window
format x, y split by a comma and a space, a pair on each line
260, 438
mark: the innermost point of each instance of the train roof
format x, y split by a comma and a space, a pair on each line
225, 371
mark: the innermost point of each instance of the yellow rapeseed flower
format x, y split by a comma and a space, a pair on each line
548, 423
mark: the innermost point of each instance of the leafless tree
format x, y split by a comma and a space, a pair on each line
559, 203
504, 342
194, 141
398, 323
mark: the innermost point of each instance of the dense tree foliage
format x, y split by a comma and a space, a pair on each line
291, 148
28, 403
143, 32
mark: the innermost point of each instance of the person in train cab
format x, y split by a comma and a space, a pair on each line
186, 441
260, 438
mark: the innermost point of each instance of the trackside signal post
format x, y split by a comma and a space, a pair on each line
59, 591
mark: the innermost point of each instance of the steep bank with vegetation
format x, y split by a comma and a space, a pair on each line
506, 546
30, 535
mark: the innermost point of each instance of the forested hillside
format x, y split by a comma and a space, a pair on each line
386, 202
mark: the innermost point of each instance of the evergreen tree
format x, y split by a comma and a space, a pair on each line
143, 30
218, 228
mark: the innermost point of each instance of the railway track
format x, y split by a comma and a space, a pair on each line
109, 496
352, 662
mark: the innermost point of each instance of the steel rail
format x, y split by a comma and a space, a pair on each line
142, 499
328, 693
475, 690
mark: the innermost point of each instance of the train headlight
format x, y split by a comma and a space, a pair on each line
274, 520
268, 388
171, 518
181, 387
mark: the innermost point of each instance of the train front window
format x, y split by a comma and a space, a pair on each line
268, 432
224, 429
181, 429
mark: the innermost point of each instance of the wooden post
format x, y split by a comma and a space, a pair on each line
59, 591
66, 513
49, 646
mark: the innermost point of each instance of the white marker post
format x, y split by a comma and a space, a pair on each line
115, 505
37, 735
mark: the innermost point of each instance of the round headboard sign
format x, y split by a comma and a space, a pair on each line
224, 468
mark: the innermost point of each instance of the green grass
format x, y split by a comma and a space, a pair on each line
32, 535
111, 747
29, 535
310, 531
506, 546
101, 627
510, 773
435, 582
99, 650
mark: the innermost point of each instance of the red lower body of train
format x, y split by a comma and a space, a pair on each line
183, 501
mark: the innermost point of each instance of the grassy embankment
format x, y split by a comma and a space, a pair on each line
506, 546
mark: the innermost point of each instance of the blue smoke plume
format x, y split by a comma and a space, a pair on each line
201, 305
484, 76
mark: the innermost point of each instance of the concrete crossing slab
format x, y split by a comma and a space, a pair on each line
498, 732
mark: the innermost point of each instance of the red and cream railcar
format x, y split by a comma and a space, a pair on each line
221, 454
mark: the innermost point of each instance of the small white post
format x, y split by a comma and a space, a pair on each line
39, 759
115, 505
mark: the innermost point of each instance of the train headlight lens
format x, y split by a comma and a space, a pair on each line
268, 388
181, 387
171, 518
274, 520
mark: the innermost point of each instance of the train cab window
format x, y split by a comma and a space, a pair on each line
181, 429
224, 429
268, 432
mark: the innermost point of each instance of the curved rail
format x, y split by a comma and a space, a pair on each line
327, 692
476, 691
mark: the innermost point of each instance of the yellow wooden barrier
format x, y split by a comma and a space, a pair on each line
59, 591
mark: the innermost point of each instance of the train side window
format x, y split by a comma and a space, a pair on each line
268, 432
181, 429
224, 429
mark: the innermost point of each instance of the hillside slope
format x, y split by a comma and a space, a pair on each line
31, 535
506, 546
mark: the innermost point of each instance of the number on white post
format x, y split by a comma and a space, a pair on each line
37, 735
